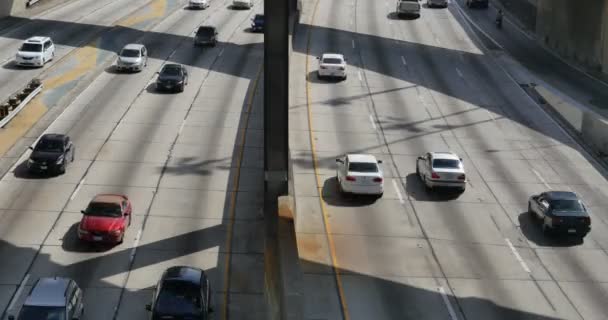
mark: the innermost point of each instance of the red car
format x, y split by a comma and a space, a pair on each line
105, 219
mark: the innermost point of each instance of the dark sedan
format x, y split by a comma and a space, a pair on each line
51, 154
182, 293
172, 77
561, 212
257, 23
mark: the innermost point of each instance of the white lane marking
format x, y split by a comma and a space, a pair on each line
490, 115
371, 119
517, 256
448, 305
135, 244
77, 189
221, 53
181, 127
459, 73
359, 75
403, 61
396, 186
18, 292
353, 42
541, 179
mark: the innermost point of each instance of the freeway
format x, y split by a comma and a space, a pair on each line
419, 85
190, 162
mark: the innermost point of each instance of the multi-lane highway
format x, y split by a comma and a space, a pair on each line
419, 85
191, 162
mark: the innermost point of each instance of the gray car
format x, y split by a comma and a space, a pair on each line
133, 57
437, 3
52, 298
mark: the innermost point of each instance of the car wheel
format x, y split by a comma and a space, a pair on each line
73, 154
418, 171
426, 185
344, 78
181, 88
546, 230
62, 168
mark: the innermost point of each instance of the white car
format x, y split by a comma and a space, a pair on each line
360, 174
242, 4
198, 4
408, 7
35, 51
332, 65
132, 57
441, 169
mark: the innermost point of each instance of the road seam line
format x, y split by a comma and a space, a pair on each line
517, 256
18, 292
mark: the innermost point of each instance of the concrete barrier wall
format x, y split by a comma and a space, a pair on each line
589, 125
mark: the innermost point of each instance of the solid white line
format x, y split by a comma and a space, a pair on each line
135, 244
353, 42
474, 24
459, 73
359, 75
541, 179
18, 293
77, 189
221, 53
490, 115
403, 61
396, 186
181, 127
517, 256
371, 119
448, 304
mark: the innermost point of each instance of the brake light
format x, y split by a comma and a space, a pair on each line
351, 178
435, 176
461, 177
378, 179
556, 220
586, 220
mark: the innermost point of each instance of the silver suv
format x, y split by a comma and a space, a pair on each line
132, 57
52, 298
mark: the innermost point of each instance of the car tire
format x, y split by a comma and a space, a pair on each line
73, 155
122, 238
418, 171
62, 168
181, 88
378, 196
546, 230
344, 78
426, 185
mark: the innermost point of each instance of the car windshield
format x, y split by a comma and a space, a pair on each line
129, 53
49, 146
362, 167
205, 32
259, 18
171, 71
103, 209
31, 47
41, 313
332, 61
178, 298
567, 205
446, 164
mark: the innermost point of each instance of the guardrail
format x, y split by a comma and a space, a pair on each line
11, 107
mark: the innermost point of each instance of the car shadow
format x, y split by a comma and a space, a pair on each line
114, 70
71, 243
332, 196
415, 188
22, 172
151, 88
231, 7
531, 228
395, 16
313, 77
426, 6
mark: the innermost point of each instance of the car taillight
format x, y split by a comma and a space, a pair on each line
116, 232
586, 220
378, 179
556, 220
461, 177
323, 67
351, 178
435, 175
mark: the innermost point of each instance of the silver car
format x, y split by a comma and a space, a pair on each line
52, 298
441, 169
133, 57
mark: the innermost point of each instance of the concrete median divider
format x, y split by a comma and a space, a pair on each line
17, 101
588, 125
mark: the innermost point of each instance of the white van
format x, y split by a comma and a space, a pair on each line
35, 51
408, 7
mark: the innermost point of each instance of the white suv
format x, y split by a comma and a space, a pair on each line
35, 51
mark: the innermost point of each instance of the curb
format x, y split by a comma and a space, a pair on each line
34, 84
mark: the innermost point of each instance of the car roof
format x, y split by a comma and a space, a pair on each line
561, 195
184, 273
445, 155
133, 46
366, 158
108, 198
53, 137
333, 55
37, 39
48, 292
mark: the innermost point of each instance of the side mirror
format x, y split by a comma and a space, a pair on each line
127, 213
420, 158
149, 307
31, 148
339, 161
318, 58
461, 160
379, 161
82, 211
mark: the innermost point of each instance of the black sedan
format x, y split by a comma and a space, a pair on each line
182, 293
51, 154
257, 23
560, 212
172, 77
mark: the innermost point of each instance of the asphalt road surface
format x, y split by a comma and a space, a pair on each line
418, 85
190, 162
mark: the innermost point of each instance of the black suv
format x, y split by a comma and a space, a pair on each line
205, 35
257, 23
182, 293
51, 154
172, 77
478, 3
52, 298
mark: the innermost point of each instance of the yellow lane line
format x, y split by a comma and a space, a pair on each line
20, 124
86, 58
233, 196
330, 239
157, 9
